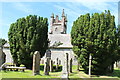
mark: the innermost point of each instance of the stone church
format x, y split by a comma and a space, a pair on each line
60, 41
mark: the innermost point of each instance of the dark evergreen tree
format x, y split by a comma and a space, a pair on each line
2, 41
26, 36
95, 35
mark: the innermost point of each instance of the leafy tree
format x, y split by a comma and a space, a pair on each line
2, 41
27, 35
95, 35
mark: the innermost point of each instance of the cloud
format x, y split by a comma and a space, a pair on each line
75, 9
100, 6
67, 10
78, 8
23, 7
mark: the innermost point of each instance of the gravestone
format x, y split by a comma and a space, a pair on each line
36, 63
65, 73
48, 54
46, 66
59, 62
2, 56
70, 66
51, 66
57, 65
78, 66
42, 61
119, 65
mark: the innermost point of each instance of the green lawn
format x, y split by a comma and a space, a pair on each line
74, 74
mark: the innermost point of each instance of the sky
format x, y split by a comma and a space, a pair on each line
13, 10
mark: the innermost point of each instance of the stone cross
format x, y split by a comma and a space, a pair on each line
65, 73
36, 63
51, 65
57, 65
46, 66
70, 66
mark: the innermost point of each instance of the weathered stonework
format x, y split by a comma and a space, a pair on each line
2, 56
70, 66
51, 65
65, 72
119, 64
36, 63
47, 66
57, 65
58, 26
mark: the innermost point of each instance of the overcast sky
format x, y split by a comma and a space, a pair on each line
13, 10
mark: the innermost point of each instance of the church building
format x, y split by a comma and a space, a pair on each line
60, 41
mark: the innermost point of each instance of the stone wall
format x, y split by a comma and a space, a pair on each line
59, 53
2, 57
9, 58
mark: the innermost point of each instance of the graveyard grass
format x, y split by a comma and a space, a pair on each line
74, 74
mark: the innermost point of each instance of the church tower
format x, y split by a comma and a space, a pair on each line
58, 26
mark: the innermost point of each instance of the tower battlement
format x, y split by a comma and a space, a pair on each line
58, 26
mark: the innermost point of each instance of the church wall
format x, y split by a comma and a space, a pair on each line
0, 57
9, 58
59, 53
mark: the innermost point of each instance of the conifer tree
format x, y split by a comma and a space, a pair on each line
95, 35
27, 35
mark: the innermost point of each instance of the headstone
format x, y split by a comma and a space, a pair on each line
46, 66
65, 73
42, 61
78, 66
59, 62
51, 65
48, 54
2, 56
90, 60
36, 63
57, 65
70, 66
119, 65
53, 62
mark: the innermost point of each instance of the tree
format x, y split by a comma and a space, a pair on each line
95, 35
2, 41
26, 36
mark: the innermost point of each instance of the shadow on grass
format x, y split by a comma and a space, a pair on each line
73, 73
116, 73
54, 68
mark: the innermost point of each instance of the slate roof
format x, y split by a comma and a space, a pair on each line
65, 39
6, 45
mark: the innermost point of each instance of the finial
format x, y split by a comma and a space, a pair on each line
52, 16
63, 14
66, 18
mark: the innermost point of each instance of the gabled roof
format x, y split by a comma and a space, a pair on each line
6, 45
64, 39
